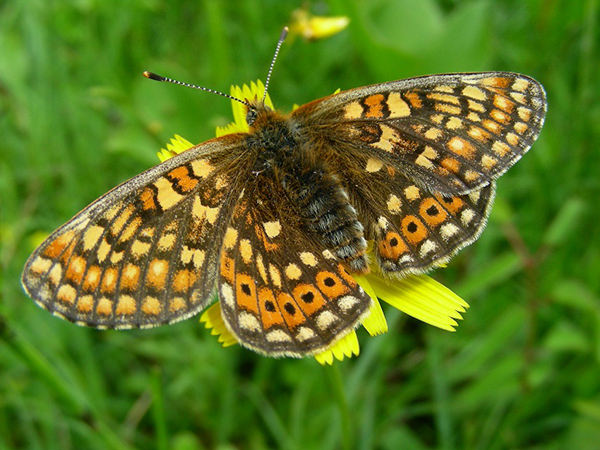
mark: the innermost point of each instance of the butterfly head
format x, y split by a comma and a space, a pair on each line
255, 110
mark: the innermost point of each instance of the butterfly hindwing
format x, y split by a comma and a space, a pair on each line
453, 133
281, 292
145, 253
413, 229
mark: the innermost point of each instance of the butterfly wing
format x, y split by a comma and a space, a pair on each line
145, 253
451, 133
419, 157
413, 229
282, 292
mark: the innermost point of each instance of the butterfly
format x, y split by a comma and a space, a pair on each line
276, 221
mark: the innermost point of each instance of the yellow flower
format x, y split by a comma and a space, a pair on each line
416, 295
316, 27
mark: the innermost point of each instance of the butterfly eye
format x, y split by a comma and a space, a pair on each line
251, 116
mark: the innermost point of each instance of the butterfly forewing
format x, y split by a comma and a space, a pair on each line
145, 253
450, 133
281, 292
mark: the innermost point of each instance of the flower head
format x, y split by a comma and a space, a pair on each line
313, 27
416, 295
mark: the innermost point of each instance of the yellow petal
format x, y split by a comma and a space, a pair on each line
316, 27
251, 94
213, 320
228, 129
421, 297
345, 347
174, 147
375, 322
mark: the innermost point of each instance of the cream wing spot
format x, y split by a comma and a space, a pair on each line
444, 88
121, 220
512, 139
433, 133
85, 304
130, 229
444, 98
520, 127
373, 165
55, 274
326, 319
261, 268
474, 92
227, 295
328, 255
104, 307
248, 322
201, 168
467, 216
272, 229
488, 162
471, 175
158, 267
474, 117
66, 294
383, 223
437, 118
116, 257
112, 212
520, 85
41, 265
304, 334
475, 106
500, 148
275, 275
91, 236
524, 113
347, 303
126, 305
353, 110
394, 204
167, 197
278, 336
427, 247
412, 193
448, 230
454, 123
151, 306
246, 250
103, 250
201, 212
448, 109
166, 241
424, 162
518, 97
230, 238
397, 106
429, 152
293, 272
389, 137
474, 196
308, 259
177, 304
198, 258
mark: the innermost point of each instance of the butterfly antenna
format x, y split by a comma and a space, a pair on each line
282, 37
154, 76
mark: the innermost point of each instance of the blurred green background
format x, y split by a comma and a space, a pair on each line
77, 118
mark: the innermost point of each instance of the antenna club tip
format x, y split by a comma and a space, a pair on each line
152, 76
284, 33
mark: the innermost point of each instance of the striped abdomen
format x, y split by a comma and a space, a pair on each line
325, 209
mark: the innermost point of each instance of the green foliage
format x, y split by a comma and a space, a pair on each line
77, 118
